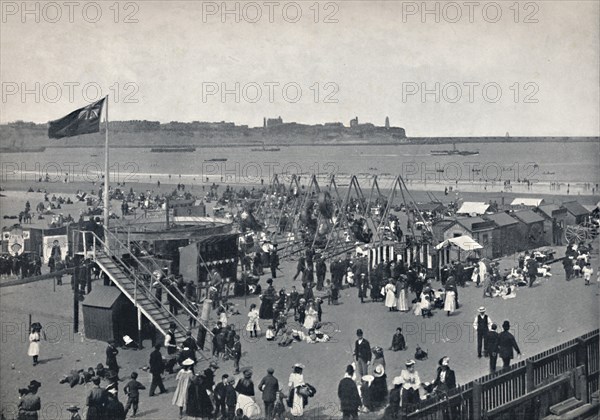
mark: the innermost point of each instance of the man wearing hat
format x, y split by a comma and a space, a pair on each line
114, 408
30, 403
230, 398
506, 344
269, 385
237, 353
220, 393
348, 394
363, 286
362, 353
96, 400
190, 343
491, 345
445, 379
482, 325
157, 367
111, 358
209, 375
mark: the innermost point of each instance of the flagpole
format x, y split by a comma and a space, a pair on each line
106, 168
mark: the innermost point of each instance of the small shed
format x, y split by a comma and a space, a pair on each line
531, 229
108, 315
521, 203
554, 222
576, 213
504, 240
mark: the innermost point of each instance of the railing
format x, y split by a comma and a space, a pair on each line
503, 390
182, 301
139, 283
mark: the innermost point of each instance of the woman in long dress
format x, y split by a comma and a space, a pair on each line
390, 295
311, 316
450, 301
183, 382
402, 303
253, 326
295, 400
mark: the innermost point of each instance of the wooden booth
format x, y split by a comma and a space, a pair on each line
109, 315
216, 253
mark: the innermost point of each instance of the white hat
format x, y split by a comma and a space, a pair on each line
481, 309
299, 366
187, 362
368, 378
410, 362
379, 371
127, 340
398, 380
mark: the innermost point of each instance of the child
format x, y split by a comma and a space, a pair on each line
279, 407
132, 390
328, 291
587, 271
270, 334
222, 316
239, 415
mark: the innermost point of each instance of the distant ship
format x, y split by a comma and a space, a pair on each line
14, 149
173, 149
265, 149
216, 160
453, 152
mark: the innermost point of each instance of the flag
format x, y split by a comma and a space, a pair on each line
84, 120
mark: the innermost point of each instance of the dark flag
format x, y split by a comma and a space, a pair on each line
84, 120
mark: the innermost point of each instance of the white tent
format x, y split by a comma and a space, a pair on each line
464, 242
528, 202
472, 207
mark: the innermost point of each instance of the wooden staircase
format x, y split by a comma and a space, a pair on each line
137, 288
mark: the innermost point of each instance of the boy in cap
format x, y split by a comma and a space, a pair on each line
230, 398
132, 390
220, 393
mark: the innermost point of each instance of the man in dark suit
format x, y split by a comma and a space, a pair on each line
491, 345
349, 397
481, 325
363, 284
111, 358
321, 269
190, 343
220, 394
269, 387
506, 344
362, 354
156, 369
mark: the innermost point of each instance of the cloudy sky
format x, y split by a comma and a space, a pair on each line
484, 69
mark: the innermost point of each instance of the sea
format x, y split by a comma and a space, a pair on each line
545, 163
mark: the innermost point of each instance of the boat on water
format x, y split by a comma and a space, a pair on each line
12, 149
173, 149
264, 148
216, 160
454, 152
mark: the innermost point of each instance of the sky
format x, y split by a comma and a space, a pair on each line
435, 68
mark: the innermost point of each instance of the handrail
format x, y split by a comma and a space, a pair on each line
140, 282
186, 302
140, 263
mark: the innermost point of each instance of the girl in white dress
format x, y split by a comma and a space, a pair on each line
34, 345
296, 379
311, 316
450, 302
390, 295
253, 326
